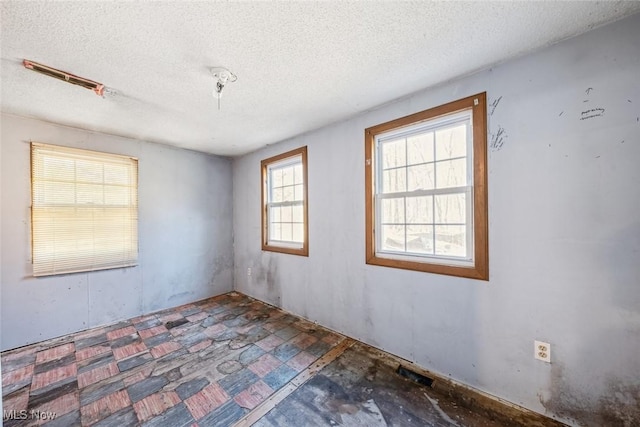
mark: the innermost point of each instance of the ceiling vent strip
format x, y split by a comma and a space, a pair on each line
98, 88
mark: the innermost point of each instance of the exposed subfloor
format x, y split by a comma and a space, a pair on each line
362, 388
216, 362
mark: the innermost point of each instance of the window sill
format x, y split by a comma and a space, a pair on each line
304, 251
477, 272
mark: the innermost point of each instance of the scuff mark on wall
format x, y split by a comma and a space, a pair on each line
267, 275
619, 405
561, 401
179, 296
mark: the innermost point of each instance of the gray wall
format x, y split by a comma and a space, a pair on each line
564, 211
185, 237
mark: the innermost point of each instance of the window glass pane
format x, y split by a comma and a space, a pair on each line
299, 193
451, 142
451, 208
420, 239
298, 233
420, 210
287, 176
394, 180
393, 211
297, 174
287, 193
276, 178
287, 233
451, 240
392, 238
420, 177
420, 148
286, 214
275, 231
394, 154
451, 173
276, 195
298, 213
274, 215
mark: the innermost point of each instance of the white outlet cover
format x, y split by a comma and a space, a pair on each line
542, 347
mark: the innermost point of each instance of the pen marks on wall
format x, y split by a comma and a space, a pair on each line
592, 113
498, 139
494, 105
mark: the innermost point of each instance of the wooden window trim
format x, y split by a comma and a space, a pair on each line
264, 164
480, 269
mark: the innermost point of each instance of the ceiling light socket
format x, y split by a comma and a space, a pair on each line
222, 76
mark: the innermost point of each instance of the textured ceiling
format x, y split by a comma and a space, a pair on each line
300, 65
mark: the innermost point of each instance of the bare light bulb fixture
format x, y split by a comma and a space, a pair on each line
222, 76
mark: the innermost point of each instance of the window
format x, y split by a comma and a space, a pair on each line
284, 203
84, 212
426, 191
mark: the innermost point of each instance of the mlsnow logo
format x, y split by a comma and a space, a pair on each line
24, 415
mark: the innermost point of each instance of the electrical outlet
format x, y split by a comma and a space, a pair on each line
542, 351
249, 271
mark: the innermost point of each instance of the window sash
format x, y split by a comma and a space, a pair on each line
290, 243
284, 203
412, 255
281, 166
430, 126
84, 210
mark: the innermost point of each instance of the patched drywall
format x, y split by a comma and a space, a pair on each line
564, 149
185, 236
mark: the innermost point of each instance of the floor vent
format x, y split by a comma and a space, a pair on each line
414, 376
175, 323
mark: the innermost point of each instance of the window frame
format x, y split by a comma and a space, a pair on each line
293, 249
38, 184
480, 266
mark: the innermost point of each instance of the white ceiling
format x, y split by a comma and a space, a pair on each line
300, 65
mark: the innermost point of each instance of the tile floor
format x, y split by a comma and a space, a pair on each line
200, 364
211, 363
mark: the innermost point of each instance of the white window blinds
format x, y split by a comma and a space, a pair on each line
84, 210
